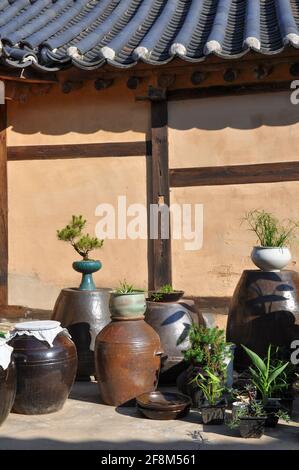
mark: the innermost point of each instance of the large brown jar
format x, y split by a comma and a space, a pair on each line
45, 374
127, 357
7, 388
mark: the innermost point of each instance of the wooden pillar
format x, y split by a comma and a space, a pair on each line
159, 249
3, 209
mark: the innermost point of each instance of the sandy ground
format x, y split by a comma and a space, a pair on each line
85, 423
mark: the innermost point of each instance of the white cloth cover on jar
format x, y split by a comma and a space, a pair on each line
43, 330
5, 353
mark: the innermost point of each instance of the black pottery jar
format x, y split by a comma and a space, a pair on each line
8, 381
46, 363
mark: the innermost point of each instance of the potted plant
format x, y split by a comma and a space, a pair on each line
250, 420
208, 351
83, 244
273, 253
166, 293
127, 302
267, 376
213, 409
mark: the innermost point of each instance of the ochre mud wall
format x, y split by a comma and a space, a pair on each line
44, 194
206, 132
230, 131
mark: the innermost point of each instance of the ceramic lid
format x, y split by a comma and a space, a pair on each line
37, 325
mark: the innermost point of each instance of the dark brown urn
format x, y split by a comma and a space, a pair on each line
172, 322
8, 384
264, 310
45, 374
84, 313
127, 354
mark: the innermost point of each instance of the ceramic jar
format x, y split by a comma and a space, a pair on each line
127, 357
46, 366
8, 381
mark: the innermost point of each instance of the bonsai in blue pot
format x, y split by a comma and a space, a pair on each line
83, 244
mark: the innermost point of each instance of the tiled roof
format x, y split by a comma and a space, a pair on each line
53, 34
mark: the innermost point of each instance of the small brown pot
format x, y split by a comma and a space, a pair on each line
213, 414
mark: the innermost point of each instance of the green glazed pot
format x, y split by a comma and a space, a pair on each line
130, 306
87, 268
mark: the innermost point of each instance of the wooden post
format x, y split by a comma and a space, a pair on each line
3, 209
159, 262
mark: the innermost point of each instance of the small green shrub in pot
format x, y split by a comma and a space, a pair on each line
127, 302
273, 253
208, 355
83, 244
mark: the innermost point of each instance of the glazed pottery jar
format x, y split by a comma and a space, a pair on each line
269, 258
127, 355
129, 306
84, 313
7, 380
172, 322
46, 362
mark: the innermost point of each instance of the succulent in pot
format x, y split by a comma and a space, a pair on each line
165, 293
213, 409
127, 302
83, 244
250, 420
273, 253
268, 376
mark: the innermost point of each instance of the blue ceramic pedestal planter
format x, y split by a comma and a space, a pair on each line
87, 268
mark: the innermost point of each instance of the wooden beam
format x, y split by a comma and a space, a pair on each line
231, 90
159, 249
234, 174
3, 209
52, 152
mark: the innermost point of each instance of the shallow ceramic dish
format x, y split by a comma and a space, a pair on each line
163, 401
163, 414
165, 297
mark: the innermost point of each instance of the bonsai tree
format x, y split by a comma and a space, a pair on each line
269, 231
82, 243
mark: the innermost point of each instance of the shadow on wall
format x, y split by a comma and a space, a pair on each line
115, 110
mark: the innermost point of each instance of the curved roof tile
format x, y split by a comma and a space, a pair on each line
52, 34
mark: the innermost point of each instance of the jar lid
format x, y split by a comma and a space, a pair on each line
37, 325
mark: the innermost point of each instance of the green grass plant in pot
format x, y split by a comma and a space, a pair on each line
268, 376
273, 253
127, 302
213, 409
165, 293
83, 244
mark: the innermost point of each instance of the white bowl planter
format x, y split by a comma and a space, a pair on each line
270, 258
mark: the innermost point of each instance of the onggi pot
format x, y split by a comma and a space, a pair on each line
127, 355
270, 258
7, 380
129, 306
46, 362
